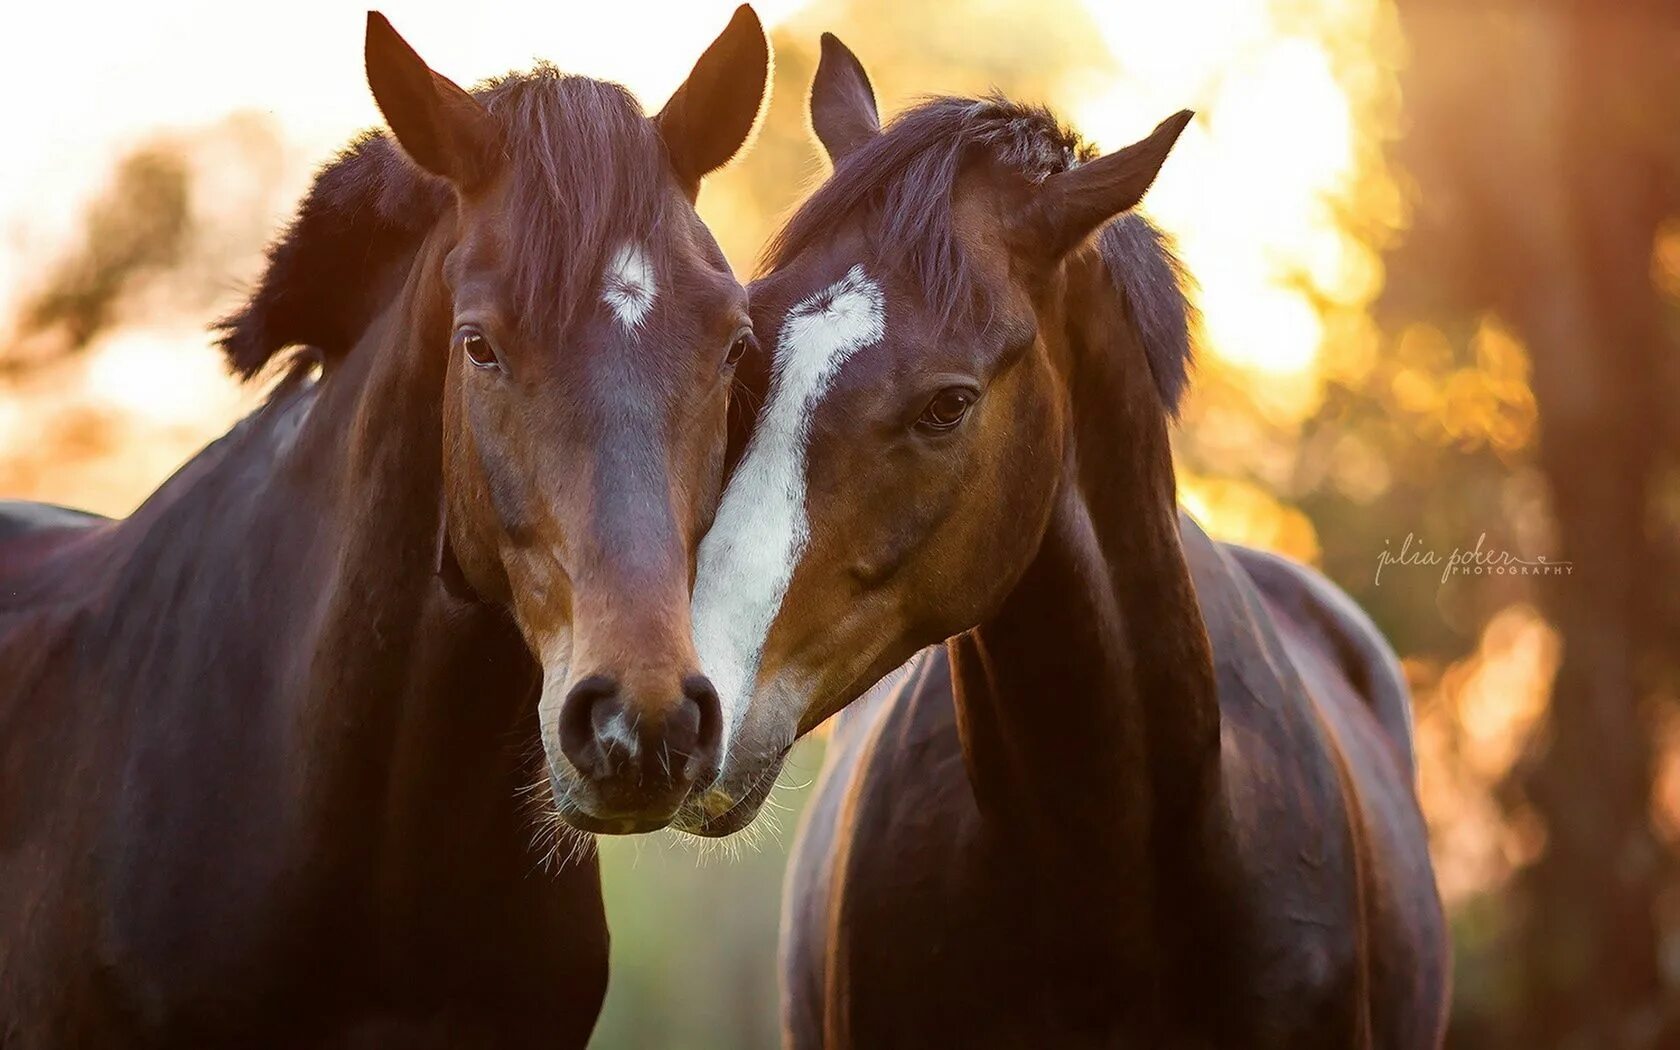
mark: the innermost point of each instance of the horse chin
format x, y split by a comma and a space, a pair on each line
694, 822
585, 816
720, 812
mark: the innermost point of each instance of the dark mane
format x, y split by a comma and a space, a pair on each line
909, 173
586, 167
1142, 262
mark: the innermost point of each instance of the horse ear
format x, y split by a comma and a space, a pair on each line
712, 114
441, 127
843, 112
1071, 205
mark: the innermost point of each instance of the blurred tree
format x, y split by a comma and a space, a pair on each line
1544, 144
180, 211
137, 228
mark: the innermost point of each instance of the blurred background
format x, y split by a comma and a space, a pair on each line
1438, 243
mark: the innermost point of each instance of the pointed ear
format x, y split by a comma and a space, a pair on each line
441, 127
710, 117
1070, 206
843, 112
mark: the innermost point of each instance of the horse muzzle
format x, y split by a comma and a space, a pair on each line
629, 764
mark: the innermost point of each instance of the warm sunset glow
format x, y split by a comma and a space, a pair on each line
154, 390
84, 84
1252, 192
1471, 725
1254, 189
1244, 513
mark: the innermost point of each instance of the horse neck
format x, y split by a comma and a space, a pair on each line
1087, 703
385, 677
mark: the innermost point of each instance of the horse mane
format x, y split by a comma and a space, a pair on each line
587, 167
1144, 266
364, 210
909, 173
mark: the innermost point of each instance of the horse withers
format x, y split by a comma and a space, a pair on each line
1152, 790
263, 744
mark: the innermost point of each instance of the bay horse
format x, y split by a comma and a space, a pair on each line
262, 742
1152, 790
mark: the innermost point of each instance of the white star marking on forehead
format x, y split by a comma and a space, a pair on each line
628, 287
748, 557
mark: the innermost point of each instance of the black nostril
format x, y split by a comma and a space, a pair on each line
623, 747
702, 701
588, 707
682, 728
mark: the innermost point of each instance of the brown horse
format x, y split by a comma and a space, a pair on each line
1153, 790
261, 743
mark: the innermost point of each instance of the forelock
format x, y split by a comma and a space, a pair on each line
587, 174
589, 179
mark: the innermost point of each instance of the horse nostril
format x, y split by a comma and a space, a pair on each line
587, 710
611, 740
682, 728
701, 699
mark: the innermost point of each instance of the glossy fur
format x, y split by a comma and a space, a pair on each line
272, 762
1151, 790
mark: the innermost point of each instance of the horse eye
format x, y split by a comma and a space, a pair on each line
947, 409
477, 348
738, 349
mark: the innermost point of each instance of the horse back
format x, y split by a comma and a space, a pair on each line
24, 518
1323, 614
32, 534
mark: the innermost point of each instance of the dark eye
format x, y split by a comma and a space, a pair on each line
476, 345
743, 342
947, 409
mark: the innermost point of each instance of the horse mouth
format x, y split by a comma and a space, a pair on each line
598, 816
693, 819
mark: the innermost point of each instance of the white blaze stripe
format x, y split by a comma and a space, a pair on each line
748, 557
628, 286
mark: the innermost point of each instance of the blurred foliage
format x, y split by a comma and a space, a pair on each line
1543, 170
138, 227
178, 212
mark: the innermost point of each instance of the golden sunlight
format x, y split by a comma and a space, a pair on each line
1280, 150
1472, 721
245, 102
